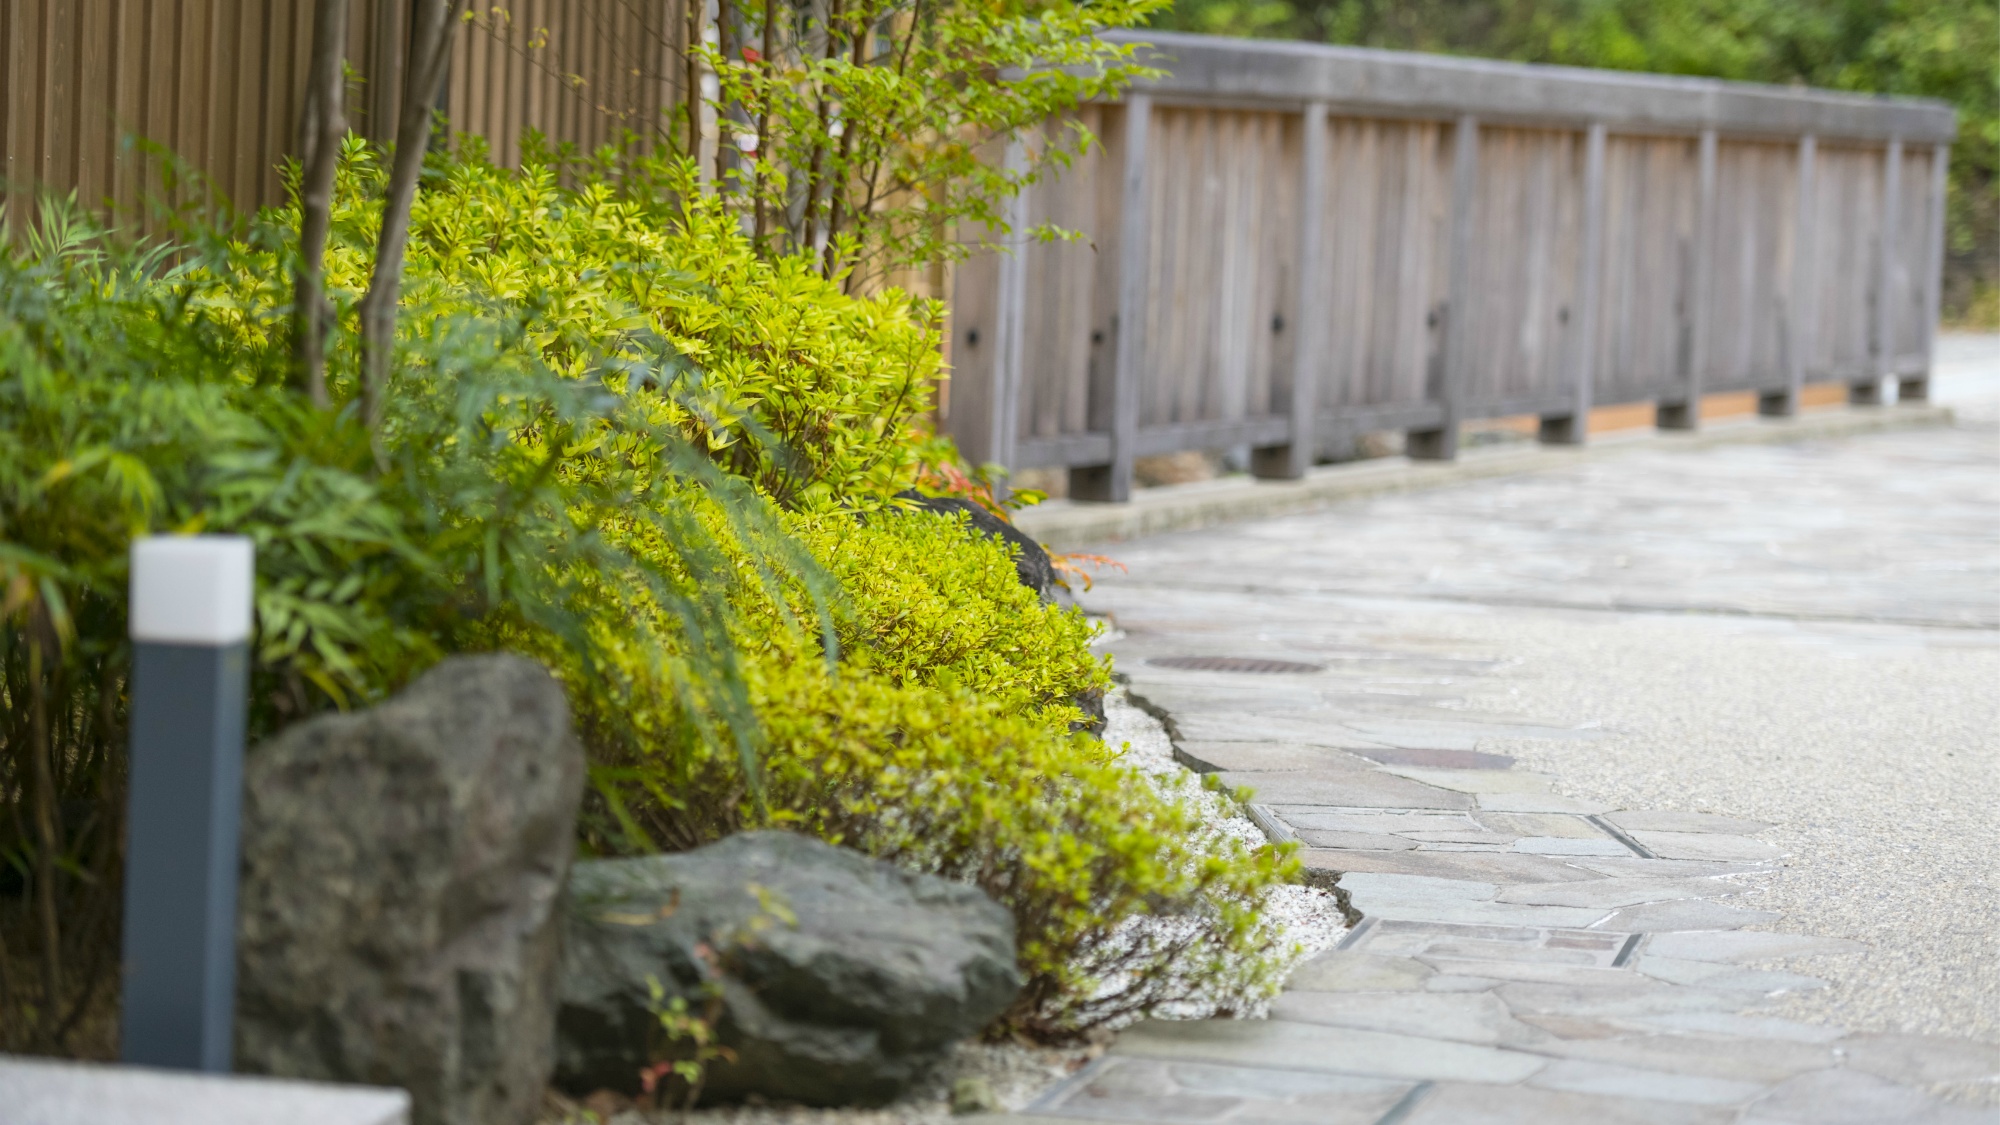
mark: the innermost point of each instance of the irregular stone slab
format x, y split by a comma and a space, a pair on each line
1723, 1021
1746, 1060
1676, 971
1467, 836
1336, 1050
1494, 866
1612, 1080
1125, 1088
870, 973
1477, 781
1738, 946
1921, 1060
1463, 1017
1538, 803
1687, 914
1635, 867
1482, 913
1197, 725
401, 868
1369, 789
1705, 845
1534, 972
1262, 757
1630, 999
1344, 971
1539, 824
1419, 735
1416, 888
1525, 1105
1608, 893
1710, 975
1660, 820
1546, 947
1453, 982
1840, 1096
1404, 822
1434, 758
1569, 845
1359, 841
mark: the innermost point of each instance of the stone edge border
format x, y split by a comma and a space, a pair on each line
1065, 525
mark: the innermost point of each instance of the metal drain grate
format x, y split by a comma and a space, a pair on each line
1233, 664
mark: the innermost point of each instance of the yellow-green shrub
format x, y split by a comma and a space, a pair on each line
658, 276
931, 601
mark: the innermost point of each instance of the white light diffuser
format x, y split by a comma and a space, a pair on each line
192, 589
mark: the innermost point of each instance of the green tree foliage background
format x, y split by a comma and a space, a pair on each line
1948, 49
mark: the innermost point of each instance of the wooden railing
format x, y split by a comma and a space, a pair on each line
1285, 246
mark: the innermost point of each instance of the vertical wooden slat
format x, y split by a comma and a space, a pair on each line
1574, 427
1441, 443
1799, 314
1299, 399
1882, 342
1682, 410
1010, 318
1916, 386
1113, 482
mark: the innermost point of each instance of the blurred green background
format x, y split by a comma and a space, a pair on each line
1948, 49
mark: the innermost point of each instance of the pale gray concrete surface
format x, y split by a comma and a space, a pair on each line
1801, 642
52, 1092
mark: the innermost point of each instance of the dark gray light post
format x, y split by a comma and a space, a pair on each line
190, 624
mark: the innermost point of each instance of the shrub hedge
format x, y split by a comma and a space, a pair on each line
621, 442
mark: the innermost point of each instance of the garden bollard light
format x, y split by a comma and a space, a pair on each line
190, 627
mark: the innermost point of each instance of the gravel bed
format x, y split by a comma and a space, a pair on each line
1007, 1076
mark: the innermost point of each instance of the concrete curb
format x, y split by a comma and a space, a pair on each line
1066, 525
58, 1092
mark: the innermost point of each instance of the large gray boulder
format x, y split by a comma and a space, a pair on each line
402, 871
841, 978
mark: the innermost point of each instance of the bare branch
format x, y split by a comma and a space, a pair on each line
423, 73
321, 126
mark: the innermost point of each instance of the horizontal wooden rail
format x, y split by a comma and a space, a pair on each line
1287, 245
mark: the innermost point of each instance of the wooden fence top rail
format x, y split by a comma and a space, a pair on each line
1255, 72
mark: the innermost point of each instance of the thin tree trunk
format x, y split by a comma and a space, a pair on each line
725, 44
321, 127
423, 73
692, 98
48, 835
768, 63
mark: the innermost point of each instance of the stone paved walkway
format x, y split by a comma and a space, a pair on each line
1666, 788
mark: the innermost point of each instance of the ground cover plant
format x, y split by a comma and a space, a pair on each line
617, 437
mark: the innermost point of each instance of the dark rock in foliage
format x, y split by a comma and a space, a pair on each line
402, 872
839, 979
1031, 562
1092, 704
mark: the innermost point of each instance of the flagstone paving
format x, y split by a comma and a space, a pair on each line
1580, 903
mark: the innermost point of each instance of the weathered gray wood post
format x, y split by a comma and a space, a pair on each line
1011, 321
1573, 428
1441, 443
1916, 387
1114, 481
1882, 333
1301, 399
1800, 313
190, 627
1682, 411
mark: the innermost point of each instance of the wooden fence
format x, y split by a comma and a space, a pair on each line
1286, 245
220, 83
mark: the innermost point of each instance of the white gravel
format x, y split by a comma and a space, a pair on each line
1310, 918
